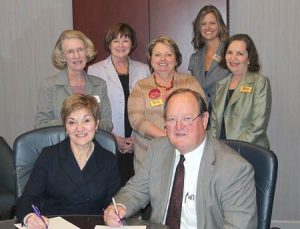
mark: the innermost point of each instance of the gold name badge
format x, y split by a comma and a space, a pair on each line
156, 102
246, 89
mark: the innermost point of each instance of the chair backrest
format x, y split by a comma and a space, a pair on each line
265, 166
28, 146
6, 166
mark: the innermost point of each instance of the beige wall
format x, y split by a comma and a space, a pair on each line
28, 32
29, 29
274, 26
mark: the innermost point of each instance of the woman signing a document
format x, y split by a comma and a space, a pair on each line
75, 176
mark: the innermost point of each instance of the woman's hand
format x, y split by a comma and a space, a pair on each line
125, 145
35, 222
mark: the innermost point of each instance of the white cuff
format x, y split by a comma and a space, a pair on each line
26, 218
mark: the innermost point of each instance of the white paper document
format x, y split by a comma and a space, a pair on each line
128, 227
55, 223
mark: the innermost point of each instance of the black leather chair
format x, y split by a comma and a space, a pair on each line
7, 186
29, 145
265, 165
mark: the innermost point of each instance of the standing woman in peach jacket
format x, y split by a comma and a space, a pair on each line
146, 101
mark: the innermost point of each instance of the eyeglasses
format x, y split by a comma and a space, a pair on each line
186, 120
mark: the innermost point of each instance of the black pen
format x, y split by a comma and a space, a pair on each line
37, 211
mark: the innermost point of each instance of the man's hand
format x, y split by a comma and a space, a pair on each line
111, 218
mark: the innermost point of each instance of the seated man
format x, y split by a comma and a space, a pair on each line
218, 190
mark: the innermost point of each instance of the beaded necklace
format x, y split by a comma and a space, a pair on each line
162, 86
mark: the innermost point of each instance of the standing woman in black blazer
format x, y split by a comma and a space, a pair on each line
75, 176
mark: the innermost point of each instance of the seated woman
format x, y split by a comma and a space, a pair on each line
73, 50
75, 176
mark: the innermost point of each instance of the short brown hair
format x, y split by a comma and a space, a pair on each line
121, 29
198, 40
79, 101
253, 65
57, 54
167, 41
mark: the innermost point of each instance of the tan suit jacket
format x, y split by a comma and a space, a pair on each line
225, 196
248, 111
53, 91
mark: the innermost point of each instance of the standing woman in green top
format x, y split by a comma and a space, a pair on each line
242, 104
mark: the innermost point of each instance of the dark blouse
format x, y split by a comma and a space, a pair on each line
125, 161
223, 129
124, 79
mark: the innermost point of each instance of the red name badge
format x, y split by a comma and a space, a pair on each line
154, 93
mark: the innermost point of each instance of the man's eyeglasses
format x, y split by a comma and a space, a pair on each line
186, 120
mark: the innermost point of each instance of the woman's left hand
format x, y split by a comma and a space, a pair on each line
125, 145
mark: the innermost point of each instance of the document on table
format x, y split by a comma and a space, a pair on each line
55, 223
123, 227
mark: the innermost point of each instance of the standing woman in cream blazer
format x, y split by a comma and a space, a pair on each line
121, 73
242, 104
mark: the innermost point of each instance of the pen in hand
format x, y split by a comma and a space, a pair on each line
116, 210
37, 211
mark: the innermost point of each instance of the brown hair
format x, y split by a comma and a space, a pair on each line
57, 54
198, 40
121, 29
167, 41
253, 65
79, 101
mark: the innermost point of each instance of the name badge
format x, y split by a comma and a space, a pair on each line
156, 102
97, 98
217, 58
246, 89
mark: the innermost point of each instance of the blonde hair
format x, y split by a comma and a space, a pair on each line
57, 54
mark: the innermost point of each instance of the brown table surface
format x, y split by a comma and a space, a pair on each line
89, 222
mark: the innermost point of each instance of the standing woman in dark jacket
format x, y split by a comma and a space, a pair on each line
210, 33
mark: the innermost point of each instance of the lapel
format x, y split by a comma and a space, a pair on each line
68, 163
133, 73
62, 80
166, 177
247, 80
111, 74
204, 179
89, 86
215, 62
92, 167
222, 93
201, 61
